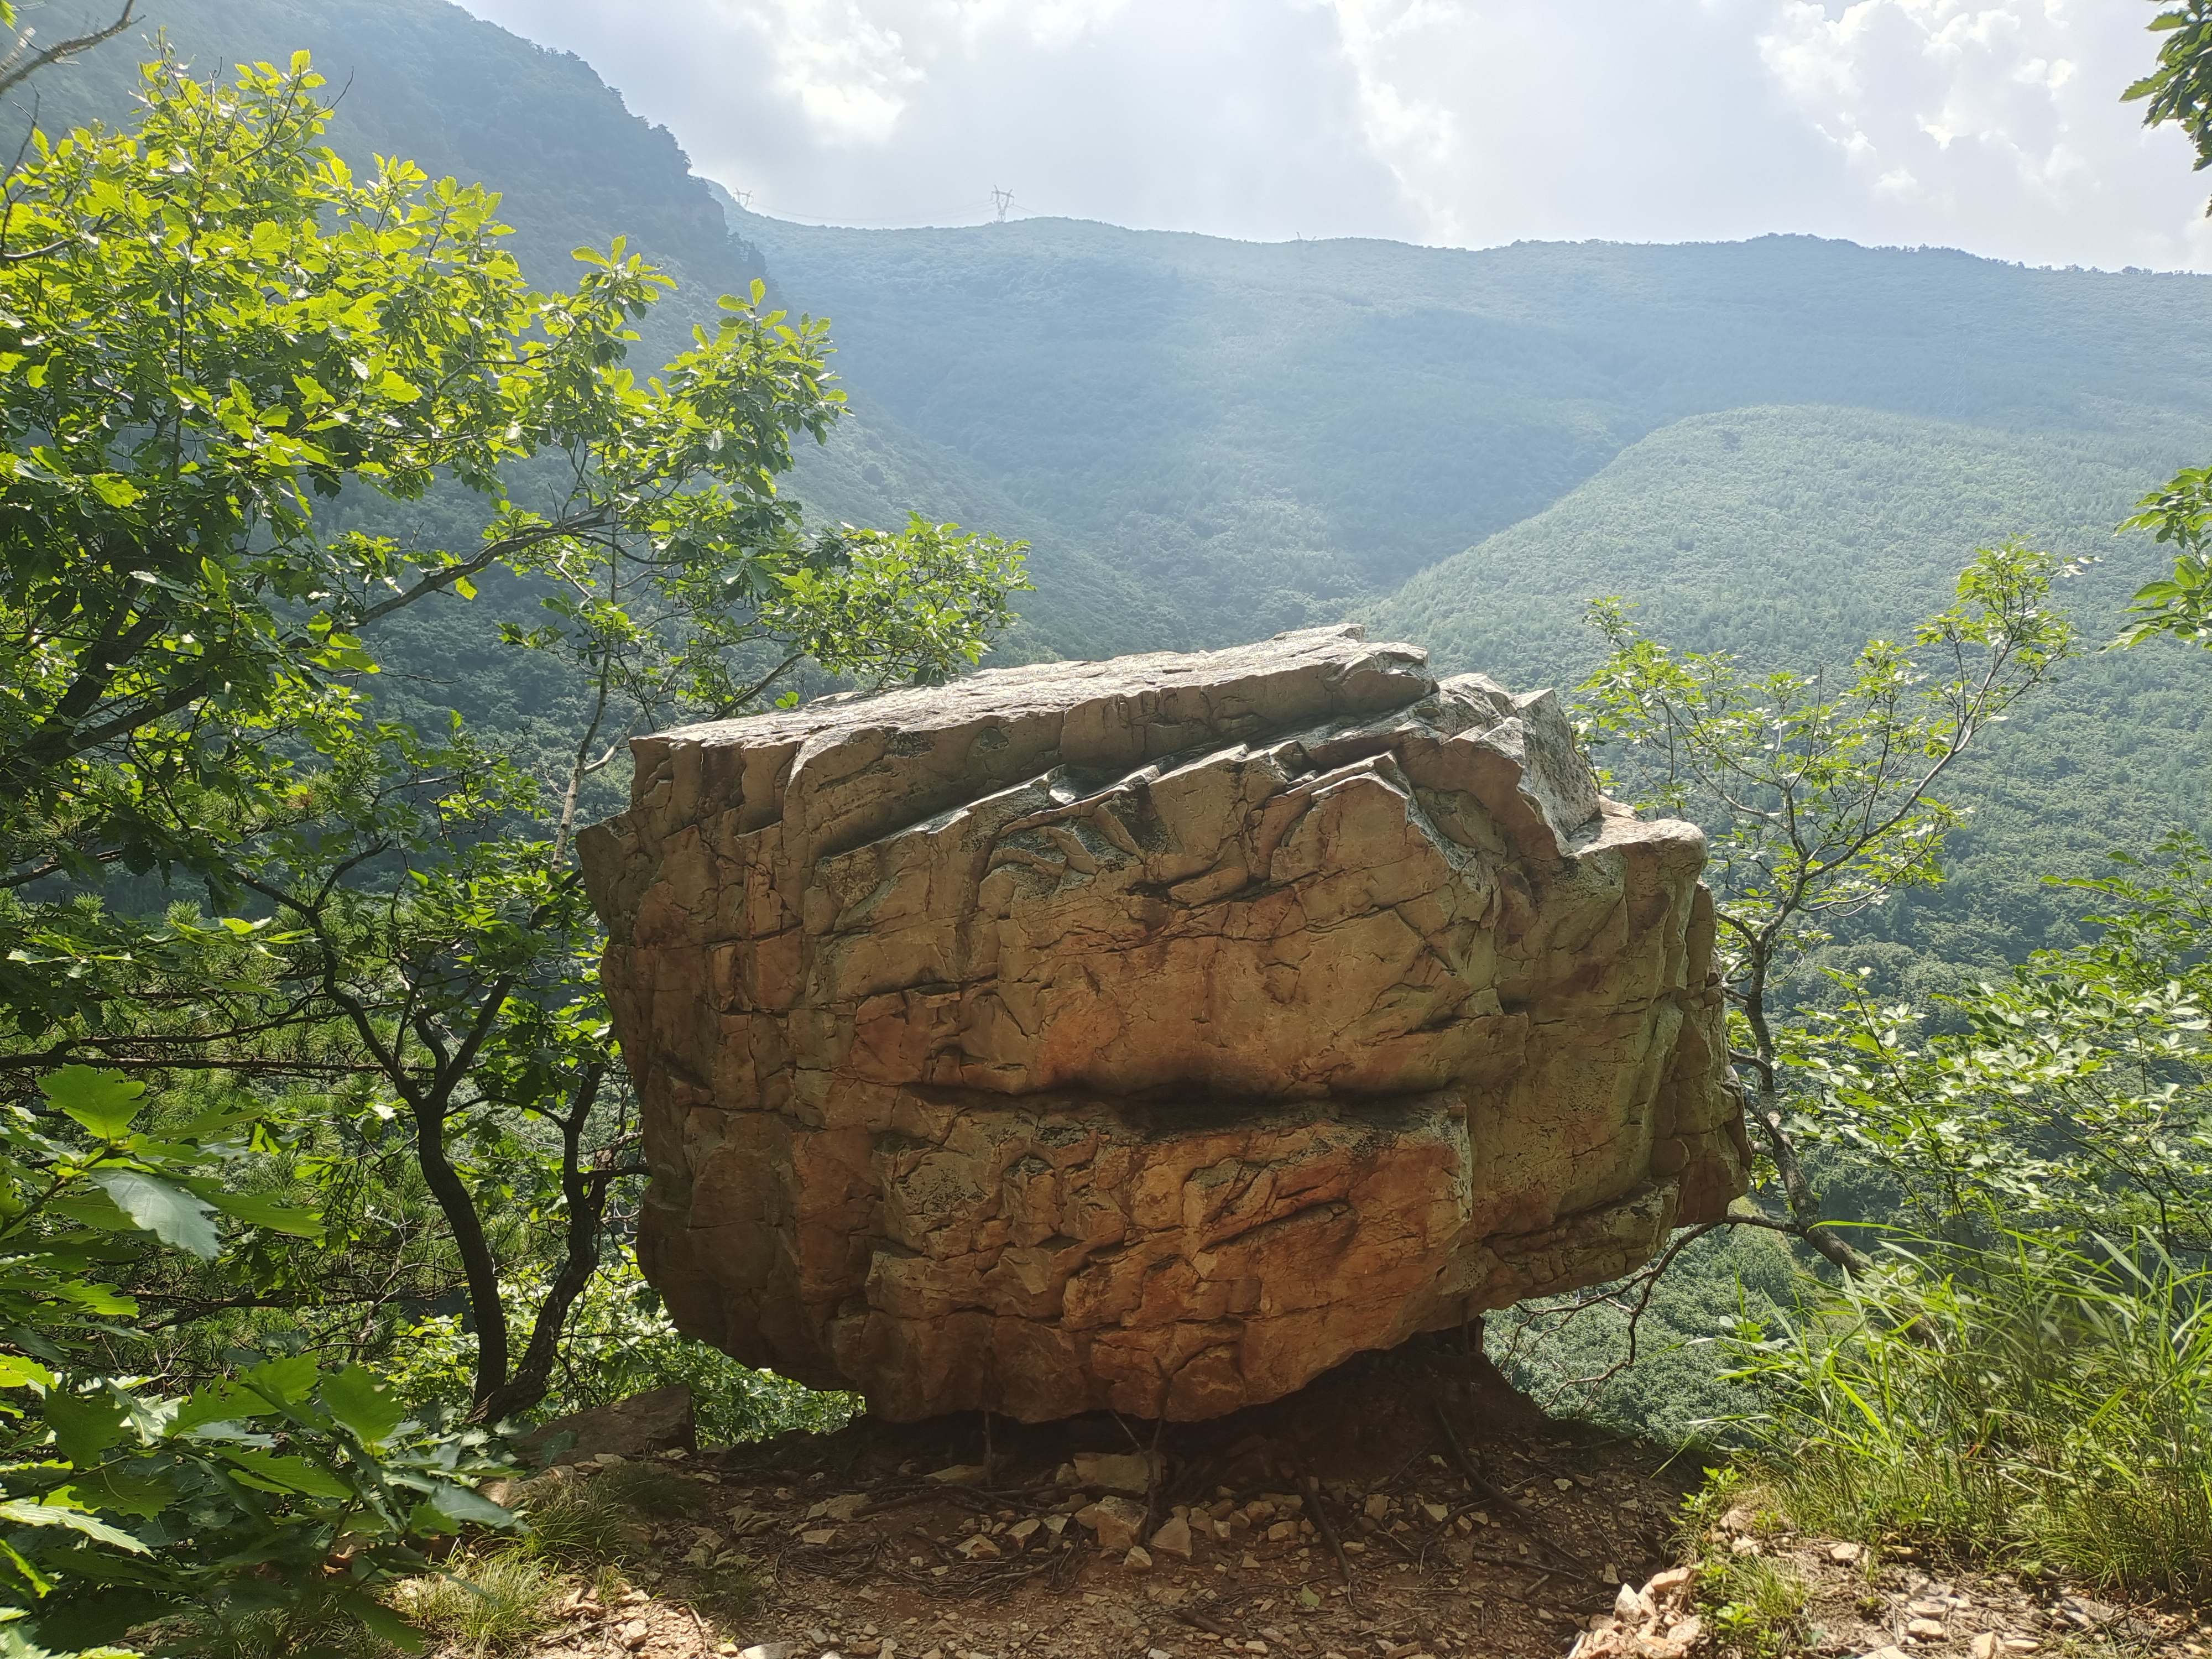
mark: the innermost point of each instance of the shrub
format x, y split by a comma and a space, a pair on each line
620, 1341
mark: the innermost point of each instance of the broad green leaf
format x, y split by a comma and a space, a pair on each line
290, 1379
223, 1401
84, 1424
382, 1623
91, 1208
16, 1371
32, 1579
93, 1299
465, 1507
114, 1488
358, 1398
24, 1513
113, 488
103, 1102
258, 1212
282, 1473
168, 1212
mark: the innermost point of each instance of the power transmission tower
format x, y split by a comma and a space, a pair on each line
1001, 199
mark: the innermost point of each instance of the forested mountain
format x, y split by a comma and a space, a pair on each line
1780, 447
1206, 439
1265, 434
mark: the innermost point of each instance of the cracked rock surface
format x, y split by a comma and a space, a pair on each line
1152, 1034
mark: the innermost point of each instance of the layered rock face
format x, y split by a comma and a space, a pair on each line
1153, 1034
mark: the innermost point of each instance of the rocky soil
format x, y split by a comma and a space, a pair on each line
1406, 1506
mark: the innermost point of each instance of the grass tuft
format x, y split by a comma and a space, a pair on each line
600, 1519
486, 1605
2035, 1404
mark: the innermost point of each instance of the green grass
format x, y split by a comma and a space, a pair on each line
1754, 1603
600, 1520
486, 1605
2050, 1408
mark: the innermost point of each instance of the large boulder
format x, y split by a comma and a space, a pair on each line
1152, 1034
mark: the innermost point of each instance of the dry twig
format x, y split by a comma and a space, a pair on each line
1328, 1530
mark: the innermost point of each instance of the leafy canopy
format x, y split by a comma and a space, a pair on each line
218, 345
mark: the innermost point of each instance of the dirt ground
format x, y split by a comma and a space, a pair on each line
1408, 1505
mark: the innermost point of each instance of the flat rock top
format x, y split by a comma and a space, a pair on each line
1314, 672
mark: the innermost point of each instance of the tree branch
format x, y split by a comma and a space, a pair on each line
14, 71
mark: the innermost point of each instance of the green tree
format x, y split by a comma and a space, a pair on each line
1816, 793
222, 356
2073, 1099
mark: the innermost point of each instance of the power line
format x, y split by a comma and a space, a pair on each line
1001, 199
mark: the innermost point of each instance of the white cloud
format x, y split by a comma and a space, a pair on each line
1416, 138
846, 75
1053, 25
1989, 125
1899, 75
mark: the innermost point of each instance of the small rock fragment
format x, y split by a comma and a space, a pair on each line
1845, 1553
1122, 1472
1925, 1630
977, 1548
1117, 1521
962, 1474
1173, 1539
1138, 1560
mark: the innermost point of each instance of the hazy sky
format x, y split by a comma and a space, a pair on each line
1992, 126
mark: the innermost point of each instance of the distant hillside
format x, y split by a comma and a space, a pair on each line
1774, 531
423, 79
1790, 536
1266, 435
